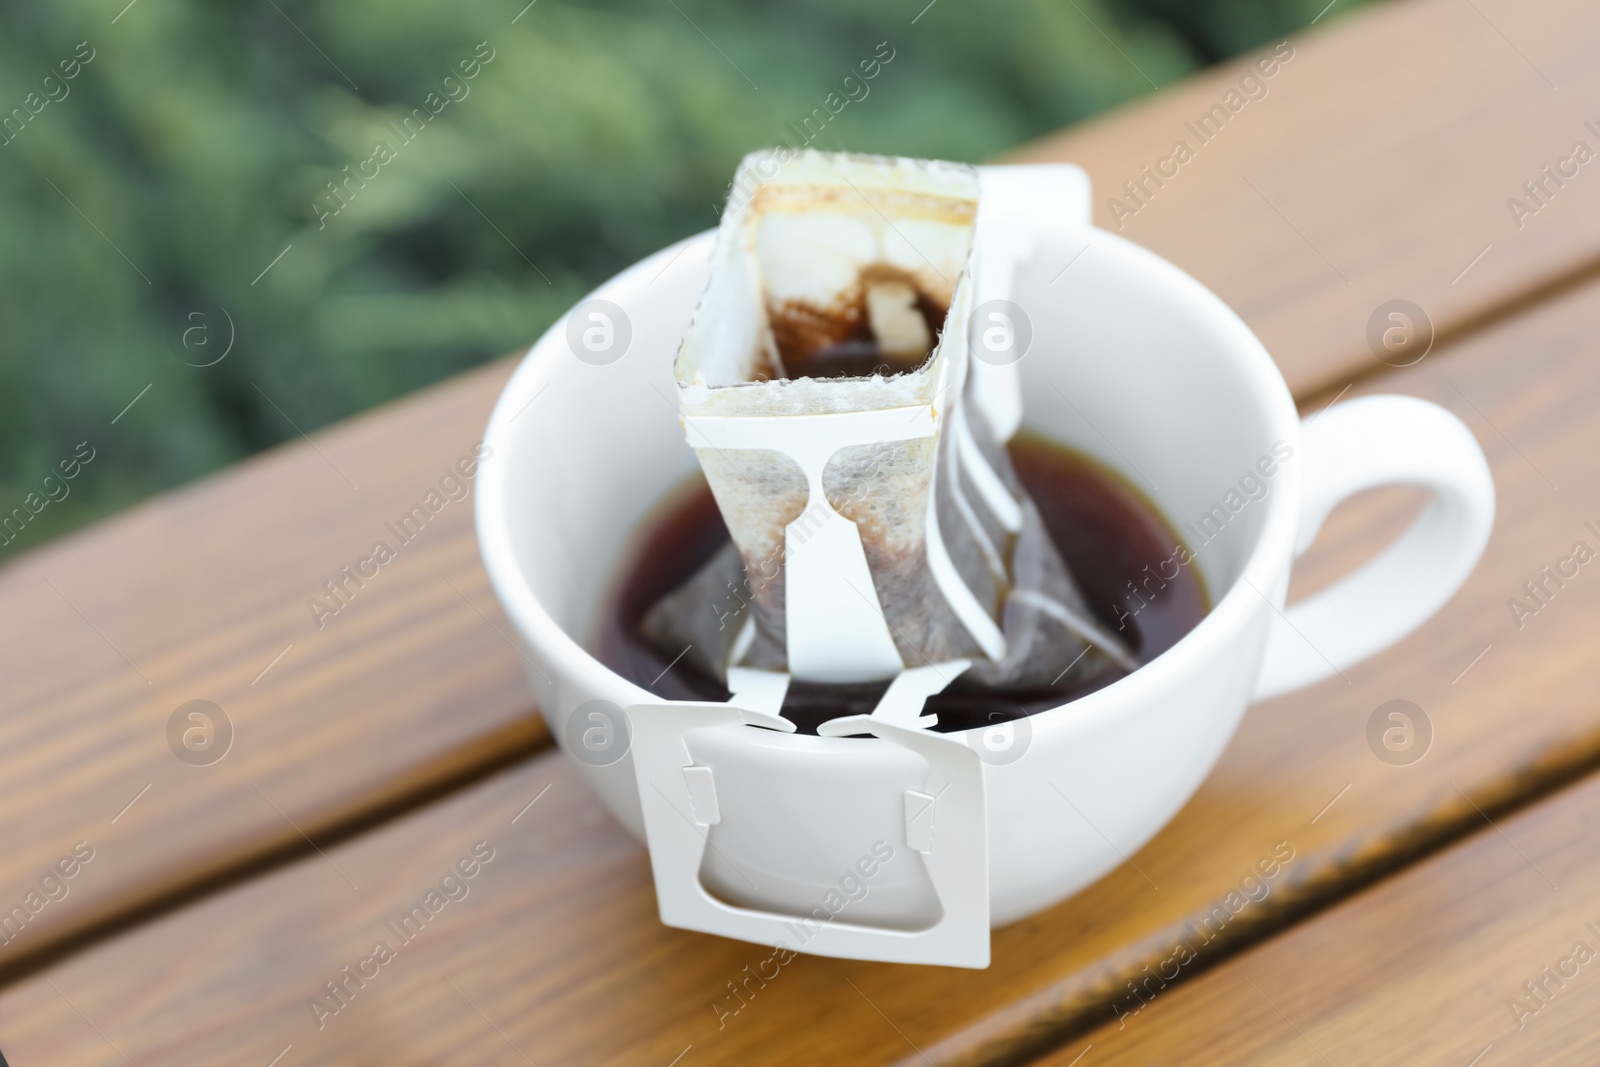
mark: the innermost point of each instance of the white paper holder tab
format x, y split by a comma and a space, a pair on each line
677, 796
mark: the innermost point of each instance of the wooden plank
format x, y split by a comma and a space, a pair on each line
562, 950
1372, 169
202, 594
1430, 968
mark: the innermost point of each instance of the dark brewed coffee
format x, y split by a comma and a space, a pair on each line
1111, 537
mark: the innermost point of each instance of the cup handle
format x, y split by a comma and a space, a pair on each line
1361, 444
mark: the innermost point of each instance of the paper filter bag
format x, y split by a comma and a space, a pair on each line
826, 387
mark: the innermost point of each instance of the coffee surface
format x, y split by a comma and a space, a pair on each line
1112, 538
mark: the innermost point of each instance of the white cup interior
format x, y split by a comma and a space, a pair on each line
1132, 362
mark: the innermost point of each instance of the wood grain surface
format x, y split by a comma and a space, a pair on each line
1431, 968
1376, 166
1395, 159
560, 953
202, 595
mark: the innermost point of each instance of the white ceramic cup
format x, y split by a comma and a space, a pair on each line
1166, 385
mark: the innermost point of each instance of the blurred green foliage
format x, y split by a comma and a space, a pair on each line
191, 149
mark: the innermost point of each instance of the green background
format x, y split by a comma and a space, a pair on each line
191, 149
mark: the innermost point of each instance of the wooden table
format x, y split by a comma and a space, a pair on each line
209, 904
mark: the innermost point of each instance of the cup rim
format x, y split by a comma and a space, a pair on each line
1263, 571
